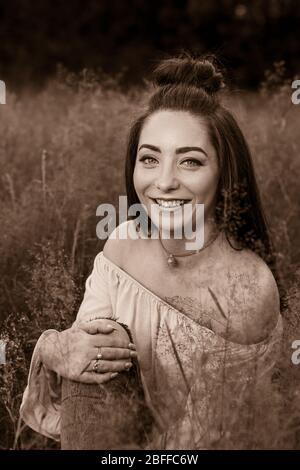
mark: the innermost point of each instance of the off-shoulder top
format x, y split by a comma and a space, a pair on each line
199, 386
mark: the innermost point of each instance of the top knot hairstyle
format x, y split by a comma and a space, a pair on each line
192, 84
188, 84
184, 70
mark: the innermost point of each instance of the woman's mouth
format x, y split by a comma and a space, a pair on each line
170, 203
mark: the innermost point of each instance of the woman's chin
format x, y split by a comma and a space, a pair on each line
172, 227
178, 222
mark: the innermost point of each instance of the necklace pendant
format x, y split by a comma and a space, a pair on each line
171, 261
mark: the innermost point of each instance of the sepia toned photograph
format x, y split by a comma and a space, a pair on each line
150, 225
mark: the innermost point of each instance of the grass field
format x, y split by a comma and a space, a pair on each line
62, 154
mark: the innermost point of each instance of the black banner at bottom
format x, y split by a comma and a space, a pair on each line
139, 459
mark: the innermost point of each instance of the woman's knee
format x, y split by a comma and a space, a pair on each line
104, 416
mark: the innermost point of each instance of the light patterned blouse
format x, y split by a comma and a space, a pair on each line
204, 391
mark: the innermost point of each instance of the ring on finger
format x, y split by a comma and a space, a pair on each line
96, 366
99, 354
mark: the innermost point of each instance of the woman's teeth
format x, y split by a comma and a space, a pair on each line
173, 203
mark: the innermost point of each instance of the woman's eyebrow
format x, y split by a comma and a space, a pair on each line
190, 149
178, 151
151, 147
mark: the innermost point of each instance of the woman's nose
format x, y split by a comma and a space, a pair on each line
167, 181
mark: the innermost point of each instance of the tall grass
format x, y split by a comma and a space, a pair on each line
62, 154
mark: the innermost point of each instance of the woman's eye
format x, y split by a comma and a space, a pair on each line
148, 160
191, 163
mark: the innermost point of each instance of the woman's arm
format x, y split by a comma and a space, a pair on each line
65, 355
72, 354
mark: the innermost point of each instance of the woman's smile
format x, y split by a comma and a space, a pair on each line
170, 204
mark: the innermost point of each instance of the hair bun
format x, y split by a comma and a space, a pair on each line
185, 70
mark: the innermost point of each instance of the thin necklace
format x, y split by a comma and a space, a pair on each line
171, 259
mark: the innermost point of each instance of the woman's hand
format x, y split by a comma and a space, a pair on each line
72, 353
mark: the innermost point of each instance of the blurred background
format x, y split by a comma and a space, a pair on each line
124, 36
75, 80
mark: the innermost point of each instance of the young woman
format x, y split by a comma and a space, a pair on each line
205, 323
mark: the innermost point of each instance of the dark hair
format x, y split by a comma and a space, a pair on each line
186, 83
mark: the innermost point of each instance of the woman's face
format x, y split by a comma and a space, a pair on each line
176, 164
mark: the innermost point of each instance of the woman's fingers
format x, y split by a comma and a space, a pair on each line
117, 339
107, 333
92, 378
112, 341
97, 326
115, 353
102, 366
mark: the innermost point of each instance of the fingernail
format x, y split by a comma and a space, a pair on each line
133, 354
131, 346
128, 365
113, 375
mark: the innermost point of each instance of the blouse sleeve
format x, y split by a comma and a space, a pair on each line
41, 402
96, 301
40, 407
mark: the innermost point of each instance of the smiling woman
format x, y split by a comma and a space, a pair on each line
172, 173
205, 323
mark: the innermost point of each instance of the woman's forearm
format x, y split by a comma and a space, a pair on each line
48, 348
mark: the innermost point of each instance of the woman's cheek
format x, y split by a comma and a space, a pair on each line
135, 180
206, 195
140, 180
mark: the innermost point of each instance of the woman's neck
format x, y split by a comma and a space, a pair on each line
185, 244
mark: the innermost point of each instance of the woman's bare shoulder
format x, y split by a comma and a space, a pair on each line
119, 244
253, 297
